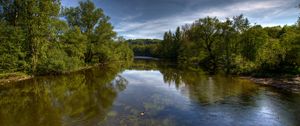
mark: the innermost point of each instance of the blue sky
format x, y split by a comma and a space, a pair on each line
151, 18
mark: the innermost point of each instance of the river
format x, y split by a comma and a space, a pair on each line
145, 93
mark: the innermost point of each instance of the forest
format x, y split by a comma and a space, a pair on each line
233, 46
144, 47
42, 37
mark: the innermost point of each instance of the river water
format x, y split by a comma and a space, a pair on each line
145, 93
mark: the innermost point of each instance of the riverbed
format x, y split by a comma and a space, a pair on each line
145, 93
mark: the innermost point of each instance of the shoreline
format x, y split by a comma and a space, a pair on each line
6, 78
14, 77
290, 84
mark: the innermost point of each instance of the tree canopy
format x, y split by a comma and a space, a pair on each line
40, 37
234, 46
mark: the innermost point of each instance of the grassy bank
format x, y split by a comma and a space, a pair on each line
287, 83
13, 77
20, 76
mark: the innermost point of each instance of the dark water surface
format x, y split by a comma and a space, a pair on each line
116, 95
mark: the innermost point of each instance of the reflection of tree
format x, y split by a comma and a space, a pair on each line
200, 86
81, 98
207, 89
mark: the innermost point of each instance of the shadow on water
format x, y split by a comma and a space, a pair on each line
165, 93
82, 98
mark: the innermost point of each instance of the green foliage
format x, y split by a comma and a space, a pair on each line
144, 47
54, 61
34, 39
255, 37
75, 43
12, 54
234, 46
270, 54
85, 16
168, 47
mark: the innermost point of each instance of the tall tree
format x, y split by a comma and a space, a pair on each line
101, 40
177, 42
227, 43
206, 34
85, 16
95, 25
12, 54
167, 45
34, 17
254, 38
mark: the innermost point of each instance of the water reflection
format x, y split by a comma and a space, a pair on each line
165, 93
81, 98
197, 84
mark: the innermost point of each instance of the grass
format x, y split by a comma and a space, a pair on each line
9, 77
12, 75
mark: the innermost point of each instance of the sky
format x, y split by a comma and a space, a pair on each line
134, 19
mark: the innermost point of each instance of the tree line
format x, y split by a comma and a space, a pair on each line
144, 47
235, 46
41, 37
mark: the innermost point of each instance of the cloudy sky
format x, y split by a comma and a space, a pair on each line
151, 18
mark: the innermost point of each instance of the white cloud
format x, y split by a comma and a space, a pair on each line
267, 13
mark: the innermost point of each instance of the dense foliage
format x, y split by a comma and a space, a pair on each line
144, 47
235, 46
39, 37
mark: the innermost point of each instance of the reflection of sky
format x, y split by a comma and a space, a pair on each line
143, 77
151, 78
147, 89
150, 82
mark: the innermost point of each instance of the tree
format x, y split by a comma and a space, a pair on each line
207, 35
290, 40
240, 23
75, 44
227, 43
270, 54
166, 46
255, 37
177, 42
34, 17
12, 54
145, 47
85, 16
101, 39
95, 25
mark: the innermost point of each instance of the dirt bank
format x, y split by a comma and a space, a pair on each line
13, 77
290, 84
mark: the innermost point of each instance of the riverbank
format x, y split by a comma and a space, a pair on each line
19, 76
13, 77
291, 84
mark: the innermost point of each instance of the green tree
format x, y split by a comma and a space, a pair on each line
227, 44
102, 39
207, 36
86, 16
166, 46
12, 54
270, 54
255, 37
290, 39
34, 17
